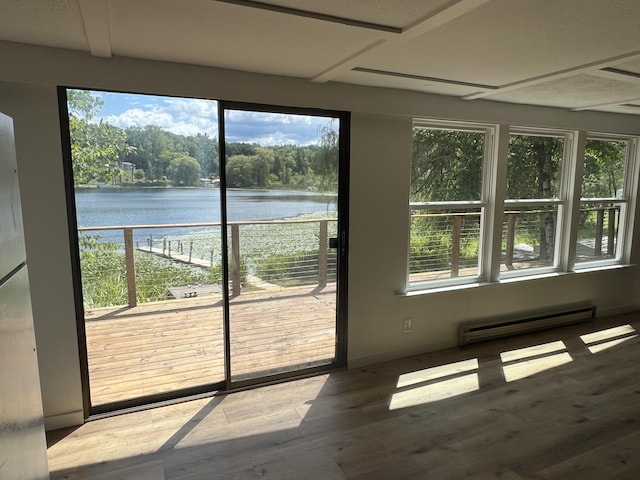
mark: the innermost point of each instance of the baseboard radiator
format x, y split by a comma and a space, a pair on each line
482, 330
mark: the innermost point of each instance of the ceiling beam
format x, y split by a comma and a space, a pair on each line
95, 17
446, 14
590, 68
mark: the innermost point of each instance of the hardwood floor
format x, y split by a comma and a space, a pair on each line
560, 404
158, 347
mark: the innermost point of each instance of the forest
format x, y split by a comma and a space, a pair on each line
150, 156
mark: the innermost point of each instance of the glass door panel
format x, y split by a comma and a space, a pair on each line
281, 177
147, 207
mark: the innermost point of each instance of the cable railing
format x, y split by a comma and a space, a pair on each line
445, 243
132, 264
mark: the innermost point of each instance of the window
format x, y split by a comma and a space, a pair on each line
530, 225
446, 203
604, 200
474, 199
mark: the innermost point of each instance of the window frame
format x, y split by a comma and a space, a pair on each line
489, 131
493, 204
630, 182
561, 202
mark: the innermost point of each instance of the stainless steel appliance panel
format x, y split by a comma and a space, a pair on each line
12, 252
23, 448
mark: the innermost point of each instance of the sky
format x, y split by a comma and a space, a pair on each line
185, 116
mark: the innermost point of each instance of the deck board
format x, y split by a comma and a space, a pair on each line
163, 346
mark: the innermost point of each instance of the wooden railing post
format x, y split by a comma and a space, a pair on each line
322, 254
235, 260
511, 236
611, 227
455, 246
597, 248
130, 266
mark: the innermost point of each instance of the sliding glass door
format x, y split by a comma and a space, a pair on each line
210, 243
282, 199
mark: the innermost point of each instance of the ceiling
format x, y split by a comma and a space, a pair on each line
575, 54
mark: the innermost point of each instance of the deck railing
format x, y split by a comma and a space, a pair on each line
459, 227
309, 236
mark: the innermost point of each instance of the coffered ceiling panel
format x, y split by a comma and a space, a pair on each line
43, 22
230, 36
506, 41
574, 92
573, 54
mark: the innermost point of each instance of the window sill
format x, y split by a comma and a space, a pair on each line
419, 291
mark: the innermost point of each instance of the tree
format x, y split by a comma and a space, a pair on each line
603, 168
95, 147
447, 165
326, 160
184, 171
533, 172
204, 149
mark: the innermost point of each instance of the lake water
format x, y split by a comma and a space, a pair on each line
111, 206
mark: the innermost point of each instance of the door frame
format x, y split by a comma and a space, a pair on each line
225, 386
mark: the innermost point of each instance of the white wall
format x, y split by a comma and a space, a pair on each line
380, 163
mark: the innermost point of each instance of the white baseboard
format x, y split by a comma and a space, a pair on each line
63, 420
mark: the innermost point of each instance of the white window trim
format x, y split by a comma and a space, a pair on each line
627, 203
493, 204
561, 202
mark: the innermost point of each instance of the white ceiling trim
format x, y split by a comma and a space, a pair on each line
619, 103
446, 14
588, 68
617, 74
314, 15
411, 76
95, 17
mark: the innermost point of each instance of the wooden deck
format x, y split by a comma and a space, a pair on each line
159, 347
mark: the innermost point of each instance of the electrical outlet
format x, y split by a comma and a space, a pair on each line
406, 325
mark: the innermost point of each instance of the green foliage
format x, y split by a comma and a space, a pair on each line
295, 268
533, 169
104, 274
95, 147
247, 171
326, 159
184, 171
430, 243
446, 165
98, 150
604, 166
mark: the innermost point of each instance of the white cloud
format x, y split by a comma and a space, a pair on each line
175, 118
186, 116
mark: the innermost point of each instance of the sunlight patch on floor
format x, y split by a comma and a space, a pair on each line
433, 373
524, 362
604, 339
435, 392
436, 383
535, 350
